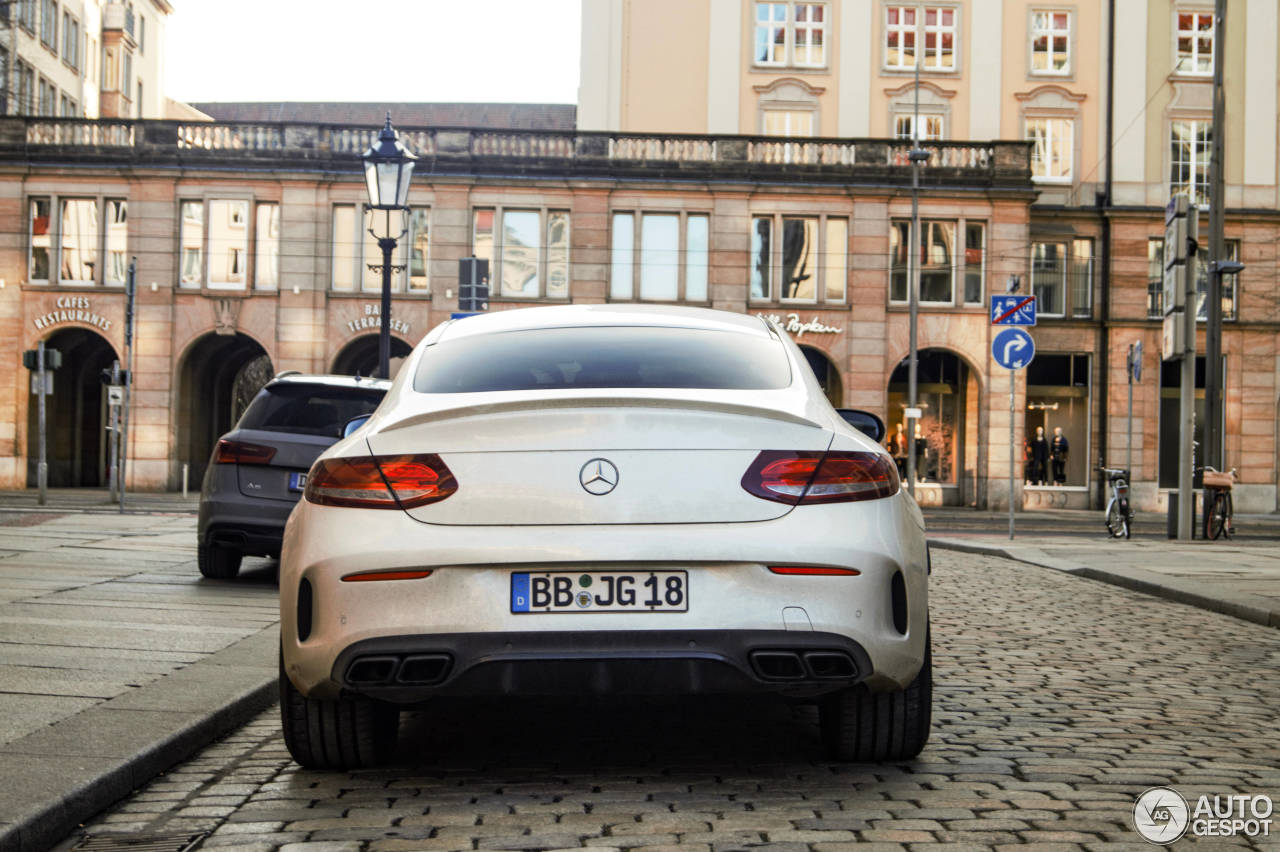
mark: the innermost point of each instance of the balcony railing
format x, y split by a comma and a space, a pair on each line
484, 151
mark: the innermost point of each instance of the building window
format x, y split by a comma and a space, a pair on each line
940, 263
787, 122
1190, 147
70, 40
1062, 277
142, 35
79, 240
355, 249
111, 69
907, 26
809, 261
216, 244
1051, 155
138, 103
126, 78
49, 24
26, 88
48, 98
1195, 43
266, 259
791, 34
1155, 282
117, 220
4, 81
513, 241
671, 265
1051, 42
1057, 405
27, 14
930, 126
1170, 403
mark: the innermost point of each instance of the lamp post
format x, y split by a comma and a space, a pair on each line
388, 168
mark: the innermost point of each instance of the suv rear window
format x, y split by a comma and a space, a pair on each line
603, 357
307, 409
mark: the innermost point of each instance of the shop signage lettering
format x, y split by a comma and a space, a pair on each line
373, 319
794, 325
72, 309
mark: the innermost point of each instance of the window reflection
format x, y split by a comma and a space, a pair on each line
41, 240
117, 242
659, 257
79, 249
520, 249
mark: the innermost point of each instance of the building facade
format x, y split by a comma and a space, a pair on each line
83, 58
761, 167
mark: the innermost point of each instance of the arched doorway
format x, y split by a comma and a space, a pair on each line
827, 374
360, 356
75, 414
219, 377
947, 394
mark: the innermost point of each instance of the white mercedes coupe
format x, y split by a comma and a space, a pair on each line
604, 499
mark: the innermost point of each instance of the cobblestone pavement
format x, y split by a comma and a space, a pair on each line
1058, 700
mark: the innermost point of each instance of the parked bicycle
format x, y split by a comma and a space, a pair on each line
1118, 514
1218, 506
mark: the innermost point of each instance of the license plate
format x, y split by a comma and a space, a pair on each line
575, 591
297, 481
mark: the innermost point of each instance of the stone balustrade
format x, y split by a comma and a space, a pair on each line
477, 150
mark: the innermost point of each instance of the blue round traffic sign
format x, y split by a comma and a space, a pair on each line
1013, 348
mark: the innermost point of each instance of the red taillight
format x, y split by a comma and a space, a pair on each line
813, 571
238, 452
803, 478
373, 576
380, 482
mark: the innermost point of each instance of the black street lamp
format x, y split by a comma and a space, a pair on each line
388, 168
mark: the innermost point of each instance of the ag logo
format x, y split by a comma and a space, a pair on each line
1161, 815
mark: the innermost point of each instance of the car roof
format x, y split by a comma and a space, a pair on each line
568, 316
363, 382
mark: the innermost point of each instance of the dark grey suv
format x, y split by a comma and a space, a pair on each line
259, 468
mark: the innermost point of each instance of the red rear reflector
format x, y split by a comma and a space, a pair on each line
813, 571
802, 478
380, 482
366, 576
238, 452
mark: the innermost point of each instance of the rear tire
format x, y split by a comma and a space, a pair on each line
340, 733
862, 726
218, 563
1216, 517
1117, 520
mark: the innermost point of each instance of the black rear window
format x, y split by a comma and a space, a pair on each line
604, 357
308, 409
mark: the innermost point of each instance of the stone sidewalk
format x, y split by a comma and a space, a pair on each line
116, 659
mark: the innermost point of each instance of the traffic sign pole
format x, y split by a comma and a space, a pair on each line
42, 467
1012, 443
1012, 349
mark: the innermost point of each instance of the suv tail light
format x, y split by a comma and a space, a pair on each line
803, 478
238, 452
380, 482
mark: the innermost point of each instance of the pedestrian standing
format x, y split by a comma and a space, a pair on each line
1059, 447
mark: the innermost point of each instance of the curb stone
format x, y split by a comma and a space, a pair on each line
1253, 608
63, 774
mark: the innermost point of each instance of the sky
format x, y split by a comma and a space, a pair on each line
521, 51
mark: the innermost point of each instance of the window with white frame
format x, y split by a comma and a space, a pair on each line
25, 88
790, 34
787, 122
527, 250
907, 27
1051, 42
806, 262
48, 104
1195, 43
27, 14
671, 262
218, 238
930, 126
1191, 144
1062, 277
67, 237
70, 40
941, 261
1052, 151
355, 249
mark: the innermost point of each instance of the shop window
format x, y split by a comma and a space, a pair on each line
942, 388
809, 260
1170, 403
1057, 405
527, 250
671, 264
1062, 277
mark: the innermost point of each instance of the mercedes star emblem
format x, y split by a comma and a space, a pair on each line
598, 477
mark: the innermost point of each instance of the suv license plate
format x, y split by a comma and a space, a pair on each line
575, 591
297, 481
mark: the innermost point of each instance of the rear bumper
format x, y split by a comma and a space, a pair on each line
409, 669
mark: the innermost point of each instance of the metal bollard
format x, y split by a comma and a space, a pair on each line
185, 471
